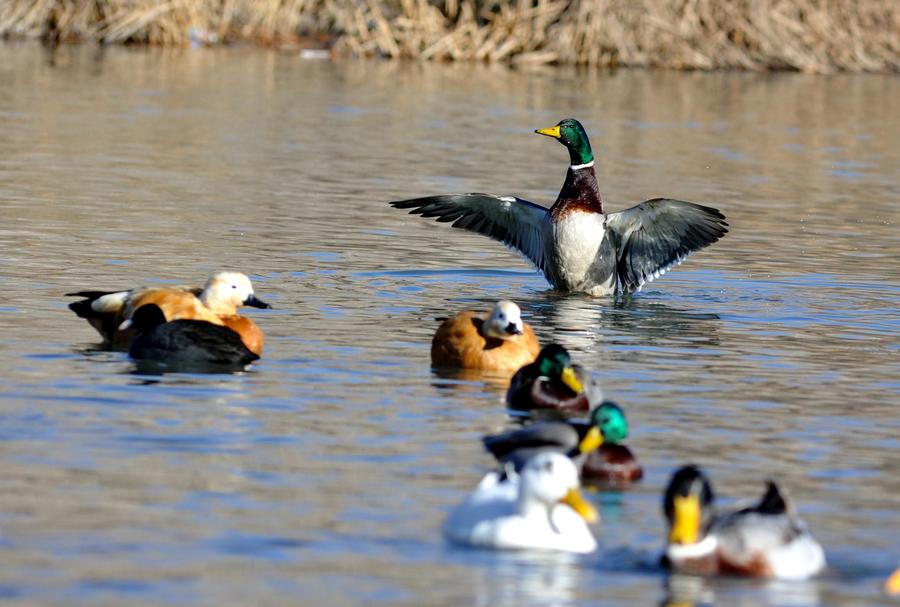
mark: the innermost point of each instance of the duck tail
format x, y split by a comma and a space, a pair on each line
772, 502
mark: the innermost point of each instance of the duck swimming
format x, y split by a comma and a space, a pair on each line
540, 508
583, 441
764, 540
553, 383
498, 341
185, 343
217, 302
576, 244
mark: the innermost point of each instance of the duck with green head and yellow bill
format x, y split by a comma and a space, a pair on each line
606, 427
764, 540
576, 244
553, 383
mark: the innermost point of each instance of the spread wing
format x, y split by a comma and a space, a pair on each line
658, 234
517, 223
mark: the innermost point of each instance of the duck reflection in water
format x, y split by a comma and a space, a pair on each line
694, 591
536, 579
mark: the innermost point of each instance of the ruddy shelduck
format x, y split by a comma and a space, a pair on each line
216, 303
497, 341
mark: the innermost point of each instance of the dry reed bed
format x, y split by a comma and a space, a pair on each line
806, 35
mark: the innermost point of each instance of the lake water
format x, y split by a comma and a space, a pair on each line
322, 476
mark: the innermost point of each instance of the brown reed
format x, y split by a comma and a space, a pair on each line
817, 36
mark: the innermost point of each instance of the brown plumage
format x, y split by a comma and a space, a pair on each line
498, 341
611, 463
216, 303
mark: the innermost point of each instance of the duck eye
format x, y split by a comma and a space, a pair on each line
234, 286
548, 467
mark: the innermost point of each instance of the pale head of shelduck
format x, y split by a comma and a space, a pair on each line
504, 321
225, 292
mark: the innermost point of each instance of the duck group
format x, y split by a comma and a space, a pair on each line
564, 435
179, 326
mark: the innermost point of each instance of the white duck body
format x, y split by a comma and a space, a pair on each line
523, 512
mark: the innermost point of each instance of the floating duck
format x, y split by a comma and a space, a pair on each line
575, 243
185, 343
583, 441
553, 383
498, 341
765, 540
217, 303
540, 508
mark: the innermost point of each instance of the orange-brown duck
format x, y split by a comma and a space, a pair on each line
497, 341
217, 303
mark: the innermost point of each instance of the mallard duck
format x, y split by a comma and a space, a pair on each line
553, 383
217, 302
594, 444
185, 343
540, 508
575, 243
764, 540
496, 341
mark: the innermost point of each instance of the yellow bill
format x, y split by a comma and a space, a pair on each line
686, 526
892, 586
553, 131
570, 379
575, 500
591, 440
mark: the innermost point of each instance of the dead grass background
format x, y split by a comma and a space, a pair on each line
818, 36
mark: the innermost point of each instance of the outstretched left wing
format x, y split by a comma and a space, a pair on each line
657, 234
517, 223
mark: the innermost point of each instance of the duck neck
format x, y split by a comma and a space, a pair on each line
580, 189
218, 308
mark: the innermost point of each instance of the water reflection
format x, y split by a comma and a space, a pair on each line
542, 579
694, 591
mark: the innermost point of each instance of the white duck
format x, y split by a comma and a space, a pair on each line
540, 508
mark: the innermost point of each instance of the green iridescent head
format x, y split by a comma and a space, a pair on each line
555, 364
571, 134
610, 419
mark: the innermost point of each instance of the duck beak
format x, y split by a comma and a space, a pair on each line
575, 500
591, 440
892, 586
570, 379
686, 526
513, 329
553, 131
254, 301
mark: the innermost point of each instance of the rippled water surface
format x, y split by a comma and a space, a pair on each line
322, 476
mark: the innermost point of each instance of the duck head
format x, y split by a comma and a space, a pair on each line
225, 292
504, 321
551, 478
147, 317
608, 425
687, 505
555, 364
571, 134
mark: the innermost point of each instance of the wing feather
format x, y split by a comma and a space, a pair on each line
515, 222
659, 234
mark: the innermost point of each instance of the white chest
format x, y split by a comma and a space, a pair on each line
577, 238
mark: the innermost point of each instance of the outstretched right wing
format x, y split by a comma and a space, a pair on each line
517, 223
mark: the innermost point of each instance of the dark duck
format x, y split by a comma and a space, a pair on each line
576, 244
186, 343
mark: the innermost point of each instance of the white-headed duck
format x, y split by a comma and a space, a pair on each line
576, 244
540, 508
765, 540
497, 341
217, 303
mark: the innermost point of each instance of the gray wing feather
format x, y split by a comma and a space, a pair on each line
517, 223
658, 234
